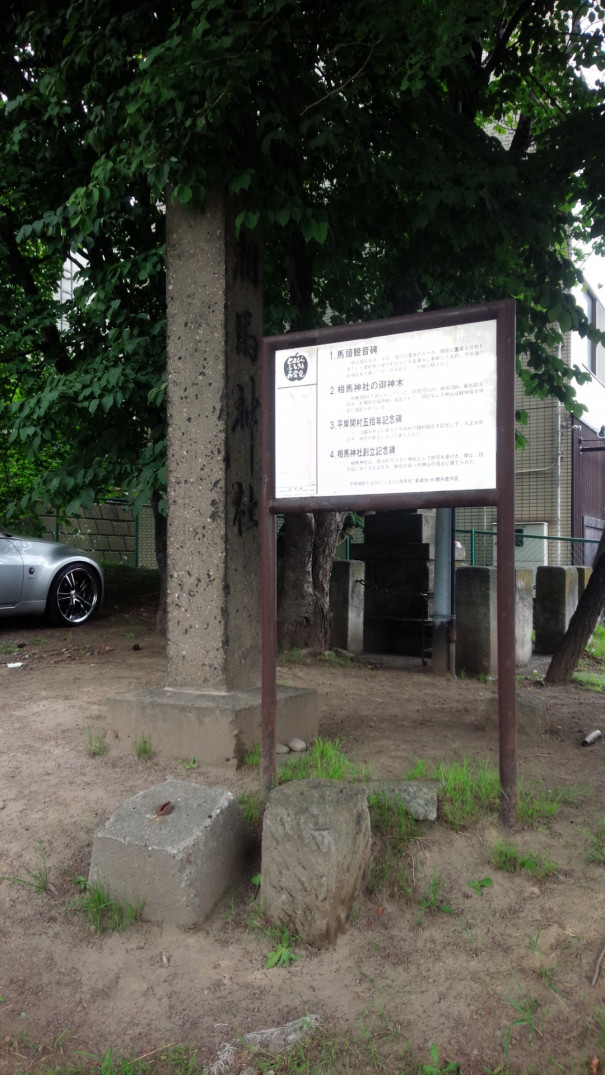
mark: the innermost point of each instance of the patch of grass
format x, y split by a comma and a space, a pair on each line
596, 644
104, 913
596, 851
294, 656
435, 1067
323, 760
252, 757
592, 681
432, 901
8, 646
418, 771
526, 1007
467, 792
38, 878
597, 1027
393, 829
95, 744
506, 856
338, 658
253, 806
143, 747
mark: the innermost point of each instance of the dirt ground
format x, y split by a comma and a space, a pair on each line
508, 974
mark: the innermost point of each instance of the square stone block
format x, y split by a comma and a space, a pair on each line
316, 849
178, 864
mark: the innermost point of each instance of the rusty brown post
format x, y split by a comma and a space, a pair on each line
505, 480
268, 577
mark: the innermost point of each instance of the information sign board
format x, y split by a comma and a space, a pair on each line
400, 413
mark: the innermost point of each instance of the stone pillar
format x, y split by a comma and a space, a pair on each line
215, 324
476, 621
524, 615
584, 574
346, 605
210, 708
556, 601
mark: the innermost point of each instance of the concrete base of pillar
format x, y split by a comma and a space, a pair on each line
211, 726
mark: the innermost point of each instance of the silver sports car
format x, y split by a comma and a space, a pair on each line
44, 577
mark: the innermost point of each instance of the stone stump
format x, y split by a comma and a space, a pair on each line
316, 849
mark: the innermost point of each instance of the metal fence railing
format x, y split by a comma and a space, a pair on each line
531, 550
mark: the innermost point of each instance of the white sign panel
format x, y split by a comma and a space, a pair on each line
415, 411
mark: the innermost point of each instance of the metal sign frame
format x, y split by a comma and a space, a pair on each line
502, 496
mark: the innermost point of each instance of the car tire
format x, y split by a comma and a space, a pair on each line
73, 595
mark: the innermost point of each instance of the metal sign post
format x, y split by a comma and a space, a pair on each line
409, 412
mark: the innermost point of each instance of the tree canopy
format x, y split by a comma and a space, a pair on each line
398, 155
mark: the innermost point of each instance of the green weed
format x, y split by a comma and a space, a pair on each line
596, 851
393, 829
480, 884
283, 954
103, 912
596, 644
597, 1026
252, 757
466, 792
38, 878
508, 857
294, 656
323, 760
418, 771
9, 646
340, 659
526, 1008
432, 901
253, 806
435, 1068
188, 765
143, 748
95, 744
536, 802
592, 681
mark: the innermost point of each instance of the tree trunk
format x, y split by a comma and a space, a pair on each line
160, 531
309, 542
295, 595
582, 623
327, 529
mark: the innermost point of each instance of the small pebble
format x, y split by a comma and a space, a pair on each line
281, 748
297, 744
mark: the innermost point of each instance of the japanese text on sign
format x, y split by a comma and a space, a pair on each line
409, 411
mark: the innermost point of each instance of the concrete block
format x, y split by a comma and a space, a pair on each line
347, 595
180, 864
524, 616
316, 849
213, 727
476, 621
584, 574
401, 526
556, 601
